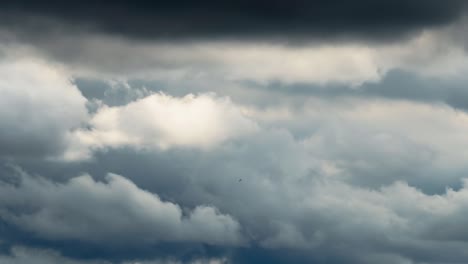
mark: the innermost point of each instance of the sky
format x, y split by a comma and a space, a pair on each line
233, 132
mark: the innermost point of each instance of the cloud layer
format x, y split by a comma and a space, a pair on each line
246, 132
241, 19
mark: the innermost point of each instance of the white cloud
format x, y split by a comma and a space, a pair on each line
38, 108
164, 121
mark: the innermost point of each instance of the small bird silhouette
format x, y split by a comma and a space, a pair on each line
240, 180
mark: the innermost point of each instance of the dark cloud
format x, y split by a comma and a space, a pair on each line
240, 19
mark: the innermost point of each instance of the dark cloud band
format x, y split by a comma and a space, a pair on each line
243, 19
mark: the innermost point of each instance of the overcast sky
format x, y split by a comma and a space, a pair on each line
234, 132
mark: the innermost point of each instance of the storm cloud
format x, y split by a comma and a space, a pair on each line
241, 19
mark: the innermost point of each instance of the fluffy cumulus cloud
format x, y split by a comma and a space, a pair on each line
112, 212
246, 132
163, 121
38, 108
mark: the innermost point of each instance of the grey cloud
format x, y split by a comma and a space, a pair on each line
24, 255
432, 52
111, 93
289, 202
27, 255
115, 212
396, 85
